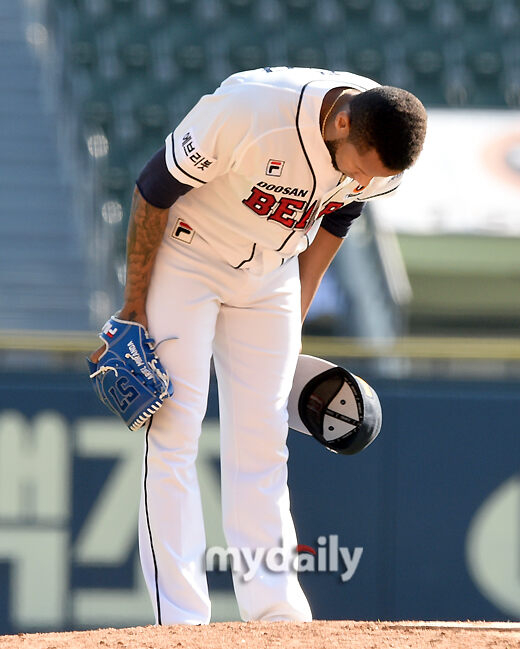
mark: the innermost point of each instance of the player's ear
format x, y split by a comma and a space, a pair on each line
342, 123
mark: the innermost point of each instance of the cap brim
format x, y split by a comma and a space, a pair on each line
306, 369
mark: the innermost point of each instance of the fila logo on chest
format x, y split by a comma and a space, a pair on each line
274, 167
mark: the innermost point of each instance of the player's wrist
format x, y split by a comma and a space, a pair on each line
133, 313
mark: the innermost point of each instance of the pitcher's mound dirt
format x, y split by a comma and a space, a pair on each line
286, 635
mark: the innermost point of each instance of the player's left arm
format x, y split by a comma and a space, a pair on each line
317, 258
313, 264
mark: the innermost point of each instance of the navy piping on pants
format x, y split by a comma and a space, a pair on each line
157, 599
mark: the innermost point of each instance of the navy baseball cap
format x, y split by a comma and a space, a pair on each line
339, 409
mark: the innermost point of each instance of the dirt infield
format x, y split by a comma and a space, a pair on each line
264, 635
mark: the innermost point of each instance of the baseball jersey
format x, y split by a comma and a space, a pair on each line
262, 174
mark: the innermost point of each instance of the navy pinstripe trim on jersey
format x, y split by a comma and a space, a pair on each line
285, 241
181, 169
297, 119
156, 571
366, 198
246, 260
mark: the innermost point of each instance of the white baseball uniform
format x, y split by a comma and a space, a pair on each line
226, 284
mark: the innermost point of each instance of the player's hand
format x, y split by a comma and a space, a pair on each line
94, 357
129, 378
126, 313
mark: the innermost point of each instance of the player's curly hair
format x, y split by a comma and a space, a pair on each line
391, 120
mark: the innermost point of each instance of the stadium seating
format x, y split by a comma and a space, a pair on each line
130, 69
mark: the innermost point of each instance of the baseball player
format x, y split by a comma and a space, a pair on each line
233, 224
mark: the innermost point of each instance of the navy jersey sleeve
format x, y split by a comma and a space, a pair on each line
156, 184
338, 222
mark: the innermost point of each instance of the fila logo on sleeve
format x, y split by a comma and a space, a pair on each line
182, 231
274, 167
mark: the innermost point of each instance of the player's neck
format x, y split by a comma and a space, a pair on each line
332, 96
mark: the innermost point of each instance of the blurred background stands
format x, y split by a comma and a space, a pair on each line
126, 71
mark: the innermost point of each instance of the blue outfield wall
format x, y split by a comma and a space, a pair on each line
428, 517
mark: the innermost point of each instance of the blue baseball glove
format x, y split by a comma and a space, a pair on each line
128, 377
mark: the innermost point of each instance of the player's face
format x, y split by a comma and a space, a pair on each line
361, 166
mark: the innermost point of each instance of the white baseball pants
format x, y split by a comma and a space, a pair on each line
252, 326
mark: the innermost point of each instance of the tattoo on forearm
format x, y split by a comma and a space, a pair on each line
145, 231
